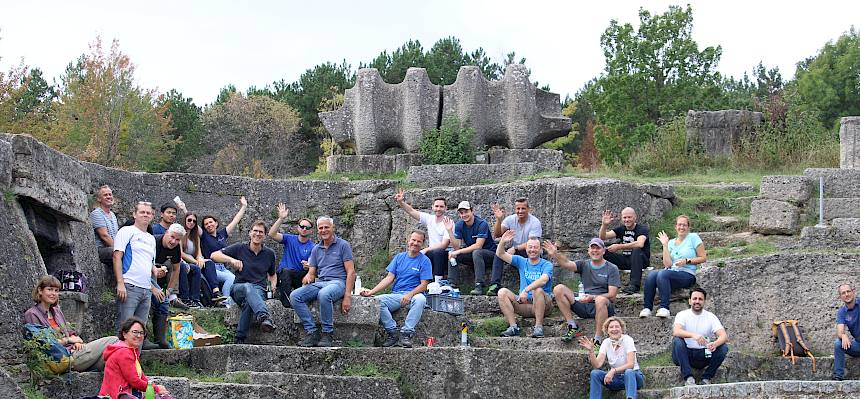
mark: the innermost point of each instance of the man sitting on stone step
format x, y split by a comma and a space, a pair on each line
167, 255
847, 330
410, 272
524, 225
254, 265
699, 340
473, 245
437, 235
331, 276
535, 297
600, 280
634, 251
105, 225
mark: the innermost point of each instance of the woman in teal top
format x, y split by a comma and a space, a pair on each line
680, 257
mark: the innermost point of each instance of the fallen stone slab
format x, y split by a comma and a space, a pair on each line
544, 160
849, 142
377, 164
794, 189
469, 174
774, 217
838, 183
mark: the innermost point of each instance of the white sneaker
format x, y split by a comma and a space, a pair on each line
663, 313
645, 313
690, 381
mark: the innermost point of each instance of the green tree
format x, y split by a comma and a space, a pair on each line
444, 60
652, 74
225, 94
187, 128
450, 144
830, 81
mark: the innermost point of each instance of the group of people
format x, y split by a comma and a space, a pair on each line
180, 256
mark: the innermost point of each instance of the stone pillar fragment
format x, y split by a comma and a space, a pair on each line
849, 142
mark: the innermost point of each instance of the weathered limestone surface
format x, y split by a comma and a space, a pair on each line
793, 389
774, 217
761, 293
719, 131
510, 112
849, 142
794, 189
376, 115
324, 386
545, 160
841, 233
469, 175
838, 183
9, 387
371, 163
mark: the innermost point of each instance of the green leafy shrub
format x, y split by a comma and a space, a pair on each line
451, 144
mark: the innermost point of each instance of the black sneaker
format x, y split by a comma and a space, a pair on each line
479, 289
512, 331
837, 378
177, 303
406, 340
572, 332
325, 340
392, 339
267, 325
630, 290
195, 304
311, 339
240, 341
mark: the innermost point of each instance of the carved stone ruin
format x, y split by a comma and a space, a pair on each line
849, 142
719, 131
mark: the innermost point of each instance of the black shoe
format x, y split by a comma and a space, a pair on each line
240, 341
147, 345
192, 304
630, 290
267, 325
479, 289
325, 340
311, 339
837, 378
392, 339
406, 340
179, 304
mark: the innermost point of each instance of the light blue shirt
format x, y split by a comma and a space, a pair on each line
686, 249
529, 273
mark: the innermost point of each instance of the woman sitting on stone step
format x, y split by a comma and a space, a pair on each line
123, 377
619, 351
46, 312
680, 258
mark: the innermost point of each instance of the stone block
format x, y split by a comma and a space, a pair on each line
545, 160
794, 189
324, 386
7, 158
376, 116
377, 164
849, 142
359, 325
841, 208
719, 131
75, 307
286, 331
468, 174
838, 183
774, 217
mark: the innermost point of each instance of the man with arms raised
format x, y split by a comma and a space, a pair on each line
535, 297
634, 251
601, 281
410, 272
331, 276
297, 251
438, 237
524, 225
253, 264
699, 340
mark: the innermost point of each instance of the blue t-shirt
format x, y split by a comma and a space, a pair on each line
529, 272
471, 234
408, 272
851, 318
209, 244
255, 267
157, 229
295, 252
329, 260
686, 249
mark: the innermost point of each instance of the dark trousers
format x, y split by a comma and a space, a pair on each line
478, 259
499, 267
288, 280
688, 358
189, 281
439, 260
635, 262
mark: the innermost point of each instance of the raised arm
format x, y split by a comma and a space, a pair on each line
239, 215
667, 257
500, 249
274, 231
499, 213
406, 207
604, 233
562, 261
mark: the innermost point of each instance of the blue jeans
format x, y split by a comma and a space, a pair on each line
665, 280
688, 358
326, 292
251, 298
439, 261
391, 303
189, 282
217, 274
630, 381
163, 307
136, 304
839, 355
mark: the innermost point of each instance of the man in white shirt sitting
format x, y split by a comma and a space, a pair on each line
700, 340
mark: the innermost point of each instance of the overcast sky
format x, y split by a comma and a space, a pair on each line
197, 47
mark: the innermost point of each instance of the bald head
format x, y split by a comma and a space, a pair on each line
628, 217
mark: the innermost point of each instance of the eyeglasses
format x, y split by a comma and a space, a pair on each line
138, 333
258, 232
303, 227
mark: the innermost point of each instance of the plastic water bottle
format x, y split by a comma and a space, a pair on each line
580, 290
455, 293
150, 392
707, 351
453, 262
358, 288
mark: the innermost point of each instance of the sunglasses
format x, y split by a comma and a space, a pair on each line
303, 227
191, 220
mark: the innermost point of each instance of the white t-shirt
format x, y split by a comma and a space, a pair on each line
436, 232
138, 248
617, 356
522, 232
705, 323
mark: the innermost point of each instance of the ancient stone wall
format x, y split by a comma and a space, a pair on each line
719, 131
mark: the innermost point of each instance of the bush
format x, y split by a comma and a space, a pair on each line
451, 144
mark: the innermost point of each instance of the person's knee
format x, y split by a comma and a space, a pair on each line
504, 293
722, 350
419, 300
559, 290
678, 342
597, 374
629, 373
837, 345
601, 302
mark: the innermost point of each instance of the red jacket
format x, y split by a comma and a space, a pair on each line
122, 370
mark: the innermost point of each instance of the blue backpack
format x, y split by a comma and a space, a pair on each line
57, 357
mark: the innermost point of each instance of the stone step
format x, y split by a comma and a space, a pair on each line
625, 305
771, 389
218, 390
528, 343
838, 183
841, 208
647, 393
322, 386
